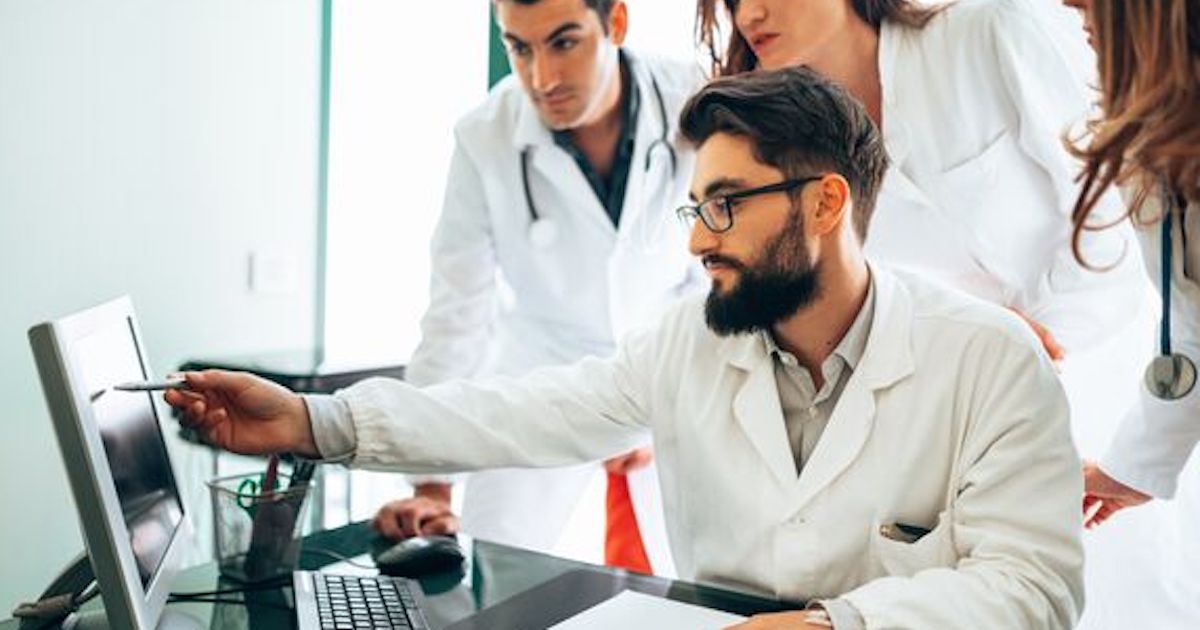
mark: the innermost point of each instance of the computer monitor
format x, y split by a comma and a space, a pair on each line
134, 523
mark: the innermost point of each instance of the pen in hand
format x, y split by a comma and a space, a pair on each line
152, 386
142, 386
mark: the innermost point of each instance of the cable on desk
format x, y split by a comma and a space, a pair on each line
53, 608
228, 600
337, 556
264, 585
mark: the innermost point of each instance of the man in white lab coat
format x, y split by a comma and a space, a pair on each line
892, 451
559, 198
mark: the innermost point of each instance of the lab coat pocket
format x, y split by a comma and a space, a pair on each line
900, 558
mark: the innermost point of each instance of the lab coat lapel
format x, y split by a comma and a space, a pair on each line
895, 135
756, 407
886, 359
554, 176
637, 197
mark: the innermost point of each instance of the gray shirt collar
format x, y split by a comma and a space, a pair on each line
853, 343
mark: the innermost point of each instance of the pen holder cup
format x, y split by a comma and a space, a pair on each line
257, 531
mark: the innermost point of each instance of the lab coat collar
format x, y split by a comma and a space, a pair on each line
892, 122
647, 130
887, 358
547, 157
530, 130
896, 136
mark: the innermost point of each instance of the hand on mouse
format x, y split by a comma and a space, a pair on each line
426, 513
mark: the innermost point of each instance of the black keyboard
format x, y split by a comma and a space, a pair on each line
350, 602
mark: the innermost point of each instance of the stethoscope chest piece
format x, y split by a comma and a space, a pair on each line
542, 233
1170, 376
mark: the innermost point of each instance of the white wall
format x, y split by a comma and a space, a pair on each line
398, 85
148, 148
664, 28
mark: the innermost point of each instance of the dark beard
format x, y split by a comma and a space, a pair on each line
759, 301
783, 282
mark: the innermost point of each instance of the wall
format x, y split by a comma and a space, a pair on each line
146, 148
397, 87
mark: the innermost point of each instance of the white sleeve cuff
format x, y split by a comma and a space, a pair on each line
332, 427
842, 614
420, 480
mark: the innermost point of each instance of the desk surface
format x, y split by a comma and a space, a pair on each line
502, 587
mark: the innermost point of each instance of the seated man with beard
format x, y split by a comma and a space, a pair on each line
827, 430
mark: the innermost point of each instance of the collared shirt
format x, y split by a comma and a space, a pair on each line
806, 410
611, 190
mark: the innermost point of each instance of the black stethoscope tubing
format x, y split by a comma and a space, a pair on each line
535, 218
1169, 376
1168, 244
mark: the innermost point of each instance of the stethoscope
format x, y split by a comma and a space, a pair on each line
543, 231
1170, 376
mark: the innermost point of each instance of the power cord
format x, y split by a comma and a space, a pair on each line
337, 556
228, 600
47, 611
264, 585
214, 596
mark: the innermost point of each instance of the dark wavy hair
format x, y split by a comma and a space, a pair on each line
602, 7
1148, 134
738, 57
798, 122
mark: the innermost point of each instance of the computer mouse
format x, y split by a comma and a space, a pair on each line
420, 555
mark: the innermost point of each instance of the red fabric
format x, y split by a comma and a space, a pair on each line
623, 546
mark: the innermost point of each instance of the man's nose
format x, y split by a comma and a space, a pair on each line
701, 240
543, 73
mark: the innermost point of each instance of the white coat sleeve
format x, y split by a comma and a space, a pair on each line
550, 417
1014, 511
1048, 96
456, 327
1155, 440
1157, 437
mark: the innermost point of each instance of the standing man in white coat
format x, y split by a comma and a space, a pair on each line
555, 237
894, 452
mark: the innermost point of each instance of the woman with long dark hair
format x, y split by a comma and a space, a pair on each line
1147, 142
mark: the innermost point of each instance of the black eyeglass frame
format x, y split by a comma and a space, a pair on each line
688, 213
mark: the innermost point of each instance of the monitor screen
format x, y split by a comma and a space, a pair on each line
133, 442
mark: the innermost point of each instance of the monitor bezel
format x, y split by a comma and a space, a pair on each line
126, 602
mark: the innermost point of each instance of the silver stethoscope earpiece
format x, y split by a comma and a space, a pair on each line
1170, 376
543, 232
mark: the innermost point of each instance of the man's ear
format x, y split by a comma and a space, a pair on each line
834, 204
618, 23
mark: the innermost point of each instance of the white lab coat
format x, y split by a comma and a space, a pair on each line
953, 420
1157, 437
980, 191
501, 304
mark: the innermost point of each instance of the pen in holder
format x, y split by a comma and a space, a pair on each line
258, 522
